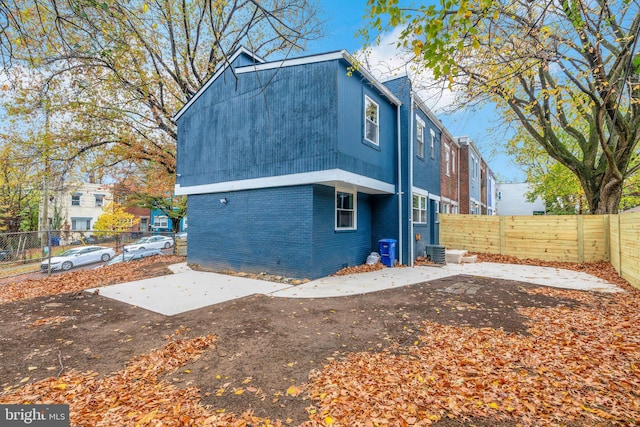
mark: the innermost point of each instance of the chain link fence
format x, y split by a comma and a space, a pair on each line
23, 253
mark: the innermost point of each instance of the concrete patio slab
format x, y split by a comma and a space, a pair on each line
187, 289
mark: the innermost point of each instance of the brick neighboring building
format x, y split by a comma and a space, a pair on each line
449, 174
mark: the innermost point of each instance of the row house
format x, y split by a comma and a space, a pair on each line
301, 166
478, 188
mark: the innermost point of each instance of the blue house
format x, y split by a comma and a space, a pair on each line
161, 223
300, 166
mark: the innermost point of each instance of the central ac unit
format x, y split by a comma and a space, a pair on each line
435, 254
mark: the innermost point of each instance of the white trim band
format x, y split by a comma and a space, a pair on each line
331, 177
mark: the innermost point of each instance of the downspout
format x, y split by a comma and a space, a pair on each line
410, 139
458, 173
400, 222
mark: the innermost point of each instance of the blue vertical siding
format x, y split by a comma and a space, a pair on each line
355, 154
263, 124
290, 120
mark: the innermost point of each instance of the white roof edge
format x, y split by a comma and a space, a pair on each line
291, 62
433, 117
311, 59
326, 177
382, 88
226, 64
341, 54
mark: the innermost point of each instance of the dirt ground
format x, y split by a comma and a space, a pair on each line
265, 344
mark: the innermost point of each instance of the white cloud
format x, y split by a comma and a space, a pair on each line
387, 60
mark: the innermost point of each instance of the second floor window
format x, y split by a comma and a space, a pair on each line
420, 138
75, 199
447, 160
99, 200
433, 144
453, 161
371, 117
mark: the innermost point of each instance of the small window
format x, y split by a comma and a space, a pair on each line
80, 224
419, 137
433, 144
161, 221
453, 161
99, 200
419, 209
371, 117
75, 199
447, 160
345, 210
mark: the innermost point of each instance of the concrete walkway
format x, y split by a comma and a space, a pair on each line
187, 289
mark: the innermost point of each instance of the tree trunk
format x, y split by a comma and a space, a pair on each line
607, 198
175, 224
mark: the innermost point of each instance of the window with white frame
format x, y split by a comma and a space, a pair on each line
80, 224
161, 221
99, 200
371, 120
433, 143
419, 209
419, 137
447, 160
453, 161
75, 199
345, 210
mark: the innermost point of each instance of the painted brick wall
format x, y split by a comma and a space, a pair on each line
449, 184
257, 230
288, 231
385, 222
333, 250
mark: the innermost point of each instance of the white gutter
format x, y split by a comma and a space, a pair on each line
410, 138
458, 170
400, 222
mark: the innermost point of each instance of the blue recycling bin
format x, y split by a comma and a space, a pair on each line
388, 251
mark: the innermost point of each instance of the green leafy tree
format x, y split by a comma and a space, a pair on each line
631, 193
566, 72
149, 188
20, 188
114, 220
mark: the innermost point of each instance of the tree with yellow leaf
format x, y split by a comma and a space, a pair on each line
114, 220
566, 72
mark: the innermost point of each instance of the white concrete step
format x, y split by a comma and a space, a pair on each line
454, 256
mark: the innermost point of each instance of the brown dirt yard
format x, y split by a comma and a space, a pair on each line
459, 351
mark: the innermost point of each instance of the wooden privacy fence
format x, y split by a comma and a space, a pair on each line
571, 238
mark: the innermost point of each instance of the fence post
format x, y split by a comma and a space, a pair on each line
501, 235
607, 237
580, 232
619, 245
49, 253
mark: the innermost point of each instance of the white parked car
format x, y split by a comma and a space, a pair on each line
133, 256
150, 242
78, 256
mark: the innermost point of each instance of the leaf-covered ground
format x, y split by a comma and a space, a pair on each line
421, 355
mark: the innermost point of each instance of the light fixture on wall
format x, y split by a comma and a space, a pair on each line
223, 200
